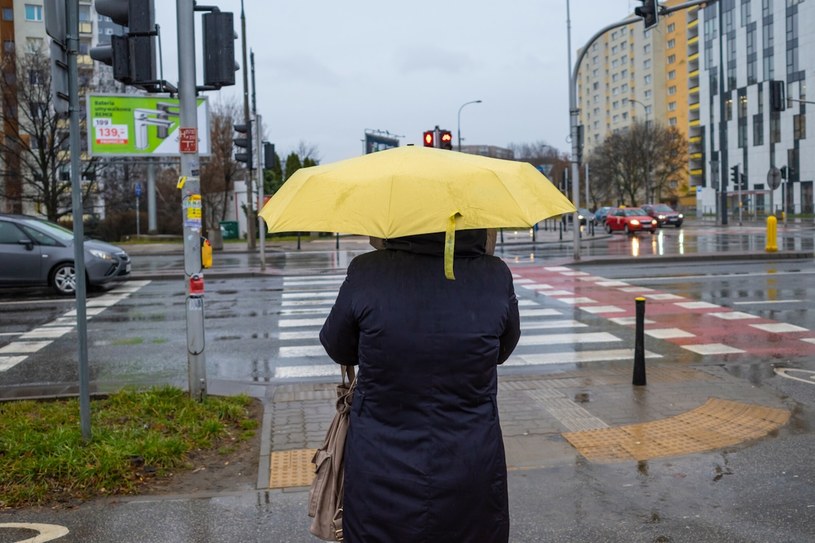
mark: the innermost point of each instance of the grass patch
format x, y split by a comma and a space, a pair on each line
137, 437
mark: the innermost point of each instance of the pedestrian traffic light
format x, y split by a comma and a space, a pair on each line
446, 140
219, 49
429, 138
132, 56
244, 141
777, 100
649, 11
743, 181
734, 175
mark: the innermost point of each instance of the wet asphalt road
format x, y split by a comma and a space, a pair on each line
758, 492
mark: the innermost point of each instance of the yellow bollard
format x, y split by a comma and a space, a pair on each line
772, 231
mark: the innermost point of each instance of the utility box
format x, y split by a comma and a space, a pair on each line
229, 229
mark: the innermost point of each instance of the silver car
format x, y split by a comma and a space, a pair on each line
37, 252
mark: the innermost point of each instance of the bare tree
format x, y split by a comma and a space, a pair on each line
552, 161
220, 170
35, 146
644, 162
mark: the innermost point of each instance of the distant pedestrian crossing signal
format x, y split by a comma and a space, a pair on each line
446, 140
429, 138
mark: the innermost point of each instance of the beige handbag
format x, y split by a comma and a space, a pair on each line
325, 495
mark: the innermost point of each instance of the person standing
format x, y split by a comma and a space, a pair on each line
424, 456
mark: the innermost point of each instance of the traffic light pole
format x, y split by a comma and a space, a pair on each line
250, 208
190, 185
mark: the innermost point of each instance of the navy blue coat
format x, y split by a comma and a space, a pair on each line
424, 458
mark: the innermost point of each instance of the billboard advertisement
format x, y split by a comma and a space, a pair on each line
132, 125
376, 142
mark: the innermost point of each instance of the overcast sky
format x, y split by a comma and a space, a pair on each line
326, 70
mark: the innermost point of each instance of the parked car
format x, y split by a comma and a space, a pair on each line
664, 214
600, 215
630, 220
36, 252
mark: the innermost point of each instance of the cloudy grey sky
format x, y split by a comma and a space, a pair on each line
326, 70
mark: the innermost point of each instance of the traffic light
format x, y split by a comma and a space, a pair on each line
649, 11
429, 138
734, 176
244, 141
784, 172
743, 181
219, 49
56, 28
777, 100
132, 56
446, 140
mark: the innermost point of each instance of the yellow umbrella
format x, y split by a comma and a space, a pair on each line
414, 190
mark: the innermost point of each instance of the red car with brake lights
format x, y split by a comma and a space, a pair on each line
630, 220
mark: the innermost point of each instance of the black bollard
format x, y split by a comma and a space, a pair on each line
639, 344
502, 235
561, 231
298, 241
338, 240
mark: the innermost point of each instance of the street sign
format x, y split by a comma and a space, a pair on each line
774, 178
188, 140
138, 190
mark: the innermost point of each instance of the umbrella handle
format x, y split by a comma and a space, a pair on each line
450, 246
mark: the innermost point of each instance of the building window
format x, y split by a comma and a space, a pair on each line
646, 48
671, 27
758, 130
8, 14
33, 13
671, 43
671, 59
671, 90
799, 126
672, 121
647, 79
672, 75
672, 106
8, 46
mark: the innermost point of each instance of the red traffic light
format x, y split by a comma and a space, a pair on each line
446, 139
428, 138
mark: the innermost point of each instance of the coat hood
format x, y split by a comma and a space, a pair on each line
469, 243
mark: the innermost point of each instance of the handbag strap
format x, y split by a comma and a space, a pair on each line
347, 372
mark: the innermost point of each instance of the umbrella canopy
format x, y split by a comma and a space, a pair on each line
414, 190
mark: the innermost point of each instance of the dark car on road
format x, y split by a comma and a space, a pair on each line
630, 220
583, 216
664, 214
599, 218
35, 252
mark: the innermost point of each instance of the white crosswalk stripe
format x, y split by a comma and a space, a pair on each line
39, 338
546, 336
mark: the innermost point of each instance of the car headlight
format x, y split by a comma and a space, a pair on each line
635, 222
662, 217
681, 216
102, 255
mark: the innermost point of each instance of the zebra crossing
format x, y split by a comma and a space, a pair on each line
549, 334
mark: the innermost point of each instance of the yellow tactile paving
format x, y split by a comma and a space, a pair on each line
716, 424
292, 468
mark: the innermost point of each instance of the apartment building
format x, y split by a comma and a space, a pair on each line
763, 41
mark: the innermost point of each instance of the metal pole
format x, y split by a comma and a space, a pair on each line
191, 202
250, 209
72, 35
587, 185
573, 132
260, 165
152, 223
459, 120
723, 169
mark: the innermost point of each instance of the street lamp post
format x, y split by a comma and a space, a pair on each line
648, 195
459, 120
